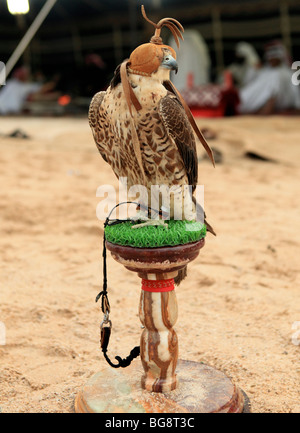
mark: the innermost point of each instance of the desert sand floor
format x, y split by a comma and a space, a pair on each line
239, 308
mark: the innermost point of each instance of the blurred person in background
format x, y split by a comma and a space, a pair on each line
271, 90
19, 88
245, 65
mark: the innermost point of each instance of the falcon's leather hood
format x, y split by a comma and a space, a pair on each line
146, 58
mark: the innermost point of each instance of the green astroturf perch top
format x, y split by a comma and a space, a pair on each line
177, 233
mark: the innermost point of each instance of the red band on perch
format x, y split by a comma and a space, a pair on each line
158, 285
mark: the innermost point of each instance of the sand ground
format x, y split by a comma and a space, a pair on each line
239, 309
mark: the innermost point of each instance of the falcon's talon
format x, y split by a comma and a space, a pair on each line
140, 216
151, 223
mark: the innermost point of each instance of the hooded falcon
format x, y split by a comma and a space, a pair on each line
142, 126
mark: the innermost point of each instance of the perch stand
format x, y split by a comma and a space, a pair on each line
162, 384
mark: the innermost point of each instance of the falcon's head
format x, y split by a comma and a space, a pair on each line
148, 58
151, 60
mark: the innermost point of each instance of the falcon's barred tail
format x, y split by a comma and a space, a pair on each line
209, 228
201, 211
181, 276
183, 272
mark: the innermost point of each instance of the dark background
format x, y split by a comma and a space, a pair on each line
113, 28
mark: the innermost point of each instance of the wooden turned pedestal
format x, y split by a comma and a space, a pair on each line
164, 386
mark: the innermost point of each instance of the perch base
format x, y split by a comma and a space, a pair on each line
201, 389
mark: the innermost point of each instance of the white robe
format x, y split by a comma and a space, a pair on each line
270, 83
14, 94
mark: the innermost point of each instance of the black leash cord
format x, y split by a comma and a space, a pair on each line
106, 325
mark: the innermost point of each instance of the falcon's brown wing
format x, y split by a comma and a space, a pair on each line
94, 119
178, 126
176, 122
171, 88
94, 109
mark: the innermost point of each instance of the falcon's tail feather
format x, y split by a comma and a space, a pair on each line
209, 228
181, 276
201, 212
